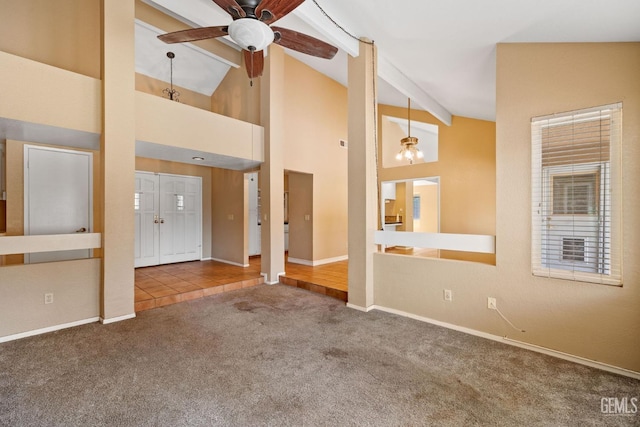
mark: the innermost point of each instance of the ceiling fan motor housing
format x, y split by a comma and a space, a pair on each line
251, 34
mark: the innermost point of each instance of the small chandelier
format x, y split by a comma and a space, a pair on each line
409, 151
170, 91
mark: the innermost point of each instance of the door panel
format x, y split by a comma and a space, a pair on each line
146, 205
180, 233
58, 188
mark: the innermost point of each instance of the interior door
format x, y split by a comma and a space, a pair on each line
58, 187
574, 233
180, 222
168, 219
146, 208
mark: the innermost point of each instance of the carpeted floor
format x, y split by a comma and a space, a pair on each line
278, 355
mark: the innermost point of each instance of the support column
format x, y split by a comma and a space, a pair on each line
363, 188
117, 156
272, 170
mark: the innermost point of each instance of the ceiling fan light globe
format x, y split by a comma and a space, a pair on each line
251, 34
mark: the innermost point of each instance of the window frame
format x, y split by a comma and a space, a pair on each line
608, 197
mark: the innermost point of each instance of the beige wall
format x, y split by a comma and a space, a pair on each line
153, 86
234, 97
316, 120
229, 216
596, 322
174, 124
76, 291
40, 93
61, 33
467, 169
162, 166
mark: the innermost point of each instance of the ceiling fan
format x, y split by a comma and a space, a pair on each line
251, 30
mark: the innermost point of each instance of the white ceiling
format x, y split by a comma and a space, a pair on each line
442, 54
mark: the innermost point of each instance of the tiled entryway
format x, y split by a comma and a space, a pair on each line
172, 283
162, 285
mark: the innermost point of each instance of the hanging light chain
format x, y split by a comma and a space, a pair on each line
171, 92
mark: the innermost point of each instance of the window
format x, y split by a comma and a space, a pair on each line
576, 195
416, 207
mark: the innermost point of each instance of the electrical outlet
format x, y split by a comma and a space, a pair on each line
491, 303
48, 298
448, 295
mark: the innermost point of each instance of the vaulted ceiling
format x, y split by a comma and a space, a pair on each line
442, 54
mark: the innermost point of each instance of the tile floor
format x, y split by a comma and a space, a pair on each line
162, 285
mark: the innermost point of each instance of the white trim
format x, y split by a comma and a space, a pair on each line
317, 262
117, 319
515, 343
224, 261
48, 329
448, 241
206, 259
272, 283
362, 309
390, 74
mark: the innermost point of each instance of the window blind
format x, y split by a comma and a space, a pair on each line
576, 195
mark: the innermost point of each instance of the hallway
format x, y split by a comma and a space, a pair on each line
163, 285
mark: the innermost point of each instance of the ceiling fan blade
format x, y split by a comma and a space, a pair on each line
231, 7
254, 63
193, 34
303, 43
269, 11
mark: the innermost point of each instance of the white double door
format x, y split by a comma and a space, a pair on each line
168, 218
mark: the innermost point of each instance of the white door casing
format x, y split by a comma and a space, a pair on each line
58, 197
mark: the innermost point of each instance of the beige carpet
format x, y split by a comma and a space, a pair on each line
278, 355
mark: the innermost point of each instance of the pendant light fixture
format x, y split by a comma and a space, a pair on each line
170, 91
408, 150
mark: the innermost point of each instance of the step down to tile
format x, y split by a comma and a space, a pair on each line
320, 289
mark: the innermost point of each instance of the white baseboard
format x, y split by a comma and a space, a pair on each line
267, 282
224, 261
206, 259
516, 343
359, 308
48, 329
117, 319
317, 262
